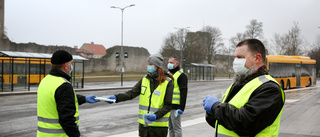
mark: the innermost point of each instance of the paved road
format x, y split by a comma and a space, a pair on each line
18, 113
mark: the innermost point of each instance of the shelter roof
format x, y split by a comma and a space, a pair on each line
18, 54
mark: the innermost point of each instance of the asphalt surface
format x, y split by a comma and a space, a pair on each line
301, 114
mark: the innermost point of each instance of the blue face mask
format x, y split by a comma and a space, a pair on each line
170, 66
71, 69
151, 68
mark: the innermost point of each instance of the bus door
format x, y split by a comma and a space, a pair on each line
298, 74
314, 75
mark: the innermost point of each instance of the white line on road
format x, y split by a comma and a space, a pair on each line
288, 90
184, 124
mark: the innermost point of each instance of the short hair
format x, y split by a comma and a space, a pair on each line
175, 58
255, 46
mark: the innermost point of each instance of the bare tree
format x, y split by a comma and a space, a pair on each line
215, 42
315, 53
181, 40
170, 46
290, 43
254, 30
174, 44
236, 39
316, 43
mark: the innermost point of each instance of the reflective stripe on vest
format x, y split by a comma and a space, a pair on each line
48, 118
147, 106
241, 98
176, 89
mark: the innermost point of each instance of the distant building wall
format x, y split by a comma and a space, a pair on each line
33, 47
136, 62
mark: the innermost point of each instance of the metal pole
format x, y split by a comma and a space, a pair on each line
121, 47
121, 51
229, 60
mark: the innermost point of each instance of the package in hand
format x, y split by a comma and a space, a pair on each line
105, 99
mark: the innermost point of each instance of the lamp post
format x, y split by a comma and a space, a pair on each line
181, 45
121, 51
229, 70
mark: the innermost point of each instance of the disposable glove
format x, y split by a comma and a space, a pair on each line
91, 99
208, 102
152, 117
178, 112
111, 97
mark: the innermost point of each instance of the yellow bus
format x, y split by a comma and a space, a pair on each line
292, 71
16, 70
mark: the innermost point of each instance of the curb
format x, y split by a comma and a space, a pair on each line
9, 93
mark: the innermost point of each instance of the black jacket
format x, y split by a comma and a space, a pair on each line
263, 107
64, 97
183, 86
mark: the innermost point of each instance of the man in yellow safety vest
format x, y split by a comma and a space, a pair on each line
253, 104
57, 103
179, 98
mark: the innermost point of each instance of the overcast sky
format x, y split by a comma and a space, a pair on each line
74, 22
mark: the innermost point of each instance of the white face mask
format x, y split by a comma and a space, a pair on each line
239, 66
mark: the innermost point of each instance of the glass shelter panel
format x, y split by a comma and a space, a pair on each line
77, 74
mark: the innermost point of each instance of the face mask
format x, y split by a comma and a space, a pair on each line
151, 68
239, 66
71, 69
170, 66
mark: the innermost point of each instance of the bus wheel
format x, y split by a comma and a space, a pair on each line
288, 84
281, 84
309, 83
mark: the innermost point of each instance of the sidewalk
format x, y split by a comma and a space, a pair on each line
91, 86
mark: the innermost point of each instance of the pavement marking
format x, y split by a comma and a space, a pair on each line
183, 124
288, 90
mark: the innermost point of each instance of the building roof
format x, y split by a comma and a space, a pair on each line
96, 48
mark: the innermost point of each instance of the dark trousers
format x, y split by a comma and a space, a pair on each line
152, 131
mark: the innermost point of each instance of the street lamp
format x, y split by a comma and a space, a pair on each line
181, 45
121, 51
229, 70
229, 54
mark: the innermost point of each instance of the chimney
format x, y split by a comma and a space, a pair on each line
92, 42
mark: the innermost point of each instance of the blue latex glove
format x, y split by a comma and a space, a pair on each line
178, 112
91, 99
111, 97
208, 102
152, 117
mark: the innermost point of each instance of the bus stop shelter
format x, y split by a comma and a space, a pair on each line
196, 71
21, 70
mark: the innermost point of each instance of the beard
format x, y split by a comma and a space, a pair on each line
239, 79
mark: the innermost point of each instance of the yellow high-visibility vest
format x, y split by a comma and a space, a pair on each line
157, 101
176, 89
241, 98
48, 118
